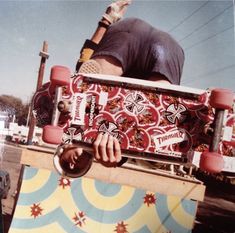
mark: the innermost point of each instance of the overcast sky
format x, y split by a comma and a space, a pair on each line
205, 29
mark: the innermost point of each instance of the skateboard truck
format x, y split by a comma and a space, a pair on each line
63, 106
60, 77
53, 134
211, 161
84, 161
65, 168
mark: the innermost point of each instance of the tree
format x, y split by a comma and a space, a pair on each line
14, 106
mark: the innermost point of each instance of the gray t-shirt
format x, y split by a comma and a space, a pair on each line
142, 50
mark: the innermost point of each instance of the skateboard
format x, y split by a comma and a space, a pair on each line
154, 122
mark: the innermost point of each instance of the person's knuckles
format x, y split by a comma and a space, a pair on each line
96, 144
105, 157
112, 159
97, 156
110, 142
102, 146
104, 140
116, 144
118, 158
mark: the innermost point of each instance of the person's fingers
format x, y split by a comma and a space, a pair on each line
116, 10
102, 148
77, 152
107, 149
71, 166
71, 153
122, 7
117, 150
110, 149
122, 3
74, 158
96, 145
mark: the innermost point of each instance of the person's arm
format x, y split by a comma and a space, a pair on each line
90, 45
113, 13
100, 30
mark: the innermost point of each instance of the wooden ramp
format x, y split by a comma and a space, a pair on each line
106, 200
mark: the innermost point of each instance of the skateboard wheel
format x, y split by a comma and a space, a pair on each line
221, 98
212, 162
60, 76
52, 134
63, 106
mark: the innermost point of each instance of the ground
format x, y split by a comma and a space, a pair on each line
215, 215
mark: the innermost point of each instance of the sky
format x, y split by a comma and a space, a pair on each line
205, 30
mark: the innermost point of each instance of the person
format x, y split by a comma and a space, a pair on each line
131, 48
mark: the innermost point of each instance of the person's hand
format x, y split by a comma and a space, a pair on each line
71, 154
116, 10
73, 160
107, 150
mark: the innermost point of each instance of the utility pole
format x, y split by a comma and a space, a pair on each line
44, 55
1, 219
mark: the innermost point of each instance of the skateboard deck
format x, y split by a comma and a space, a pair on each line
152, 121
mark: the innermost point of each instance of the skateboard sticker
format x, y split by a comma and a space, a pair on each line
110, 128
176, 113
79, 107
172, 137
73, 134
134, 103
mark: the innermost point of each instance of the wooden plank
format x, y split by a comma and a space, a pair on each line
148, 181
37, 159
186, 189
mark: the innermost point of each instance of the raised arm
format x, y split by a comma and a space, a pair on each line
113, 13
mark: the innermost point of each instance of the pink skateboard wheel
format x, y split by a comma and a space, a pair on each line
60, 76
52, 134
211, 162
221, 98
